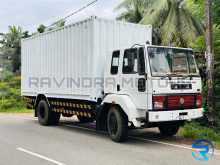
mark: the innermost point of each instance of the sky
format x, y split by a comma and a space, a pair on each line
29, 14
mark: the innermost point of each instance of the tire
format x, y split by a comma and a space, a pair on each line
83, 119
117, 125
169, 130
45, 114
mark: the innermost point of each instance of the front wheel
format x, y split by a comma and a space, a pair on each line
117, 124
169, 129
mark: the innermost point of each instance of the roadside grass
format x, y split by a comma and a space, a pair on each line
10, 96
195, 131
16, 110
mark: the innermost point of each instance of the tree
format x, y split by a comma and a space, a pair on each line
41, 28
11, 46
197, 8
26, 34
58, 24
216, 28
216, 13
210, 57
134, 10
175, 22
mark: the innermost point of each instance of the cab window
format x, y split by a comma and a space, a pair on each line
134, 61
141, 61
130, 61
115, 62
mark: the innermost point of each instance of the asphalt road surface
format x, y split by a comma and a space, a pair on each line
24, 142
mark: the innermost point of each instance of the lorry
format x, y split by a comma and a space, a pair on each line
108, 72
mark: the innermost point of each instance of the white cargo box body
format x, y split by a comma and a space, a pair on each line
76, 52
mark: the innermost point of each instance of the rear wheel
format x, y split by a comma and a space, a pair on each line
117, 124
83, 119
45, 114
169, 129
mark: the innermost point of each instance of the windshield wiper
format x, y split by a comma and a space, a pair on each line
194, 75
166, 75
170, 75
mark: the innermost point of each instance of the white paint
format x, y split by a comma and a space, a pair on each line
40, 156
76, 51
161, 116
169, 144
136, 104
128, 107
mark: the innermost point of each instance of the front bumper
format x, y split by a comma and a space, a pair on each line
177, 115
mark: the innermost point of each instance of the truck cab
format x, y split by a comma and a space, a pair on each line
154, 86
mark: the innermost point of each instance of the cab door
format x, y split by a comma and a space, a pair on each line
112, 75
133, 76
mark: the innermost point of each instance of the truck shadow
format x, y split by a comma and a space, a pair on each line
145, 135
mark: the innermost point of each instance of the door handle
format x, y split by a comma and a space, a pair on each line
118, 87
142, 85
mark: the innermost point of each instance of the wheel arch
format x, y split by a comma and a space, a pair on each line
125, 104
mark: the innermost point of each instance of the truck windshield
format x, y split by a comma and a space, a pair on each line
170, 61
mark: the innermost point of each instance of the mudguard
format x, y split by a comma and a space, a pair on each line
127, 105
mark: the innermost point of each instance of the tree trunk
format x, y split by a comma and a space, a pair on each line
210, 59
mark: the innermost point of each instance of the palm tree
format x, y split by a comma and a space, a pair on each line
172, 20
134, 10
11, 46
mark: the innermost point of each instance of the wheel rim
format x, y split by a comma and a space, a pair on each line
42, 112
113, 124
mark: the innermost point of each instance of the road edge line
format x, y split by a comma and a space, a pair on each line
39, 156
217, 152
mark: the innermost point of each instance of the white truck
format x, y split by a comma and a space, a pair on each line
109, 72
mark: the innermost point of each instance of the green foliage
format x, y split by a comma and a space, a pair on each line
216, 13
197, 8
176, 24
217, 41
178, 27
11, 46
217, 97
199, 44
60, 23
6, 75
26, 34
41, 28
10, 94
195, 131
16, 110
133, 10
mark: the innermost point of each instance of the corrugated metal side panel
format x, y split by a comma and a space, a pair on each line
57, 57
112, 35
76, 51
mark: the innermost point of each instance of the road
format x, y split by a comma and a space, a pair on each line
24, 142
